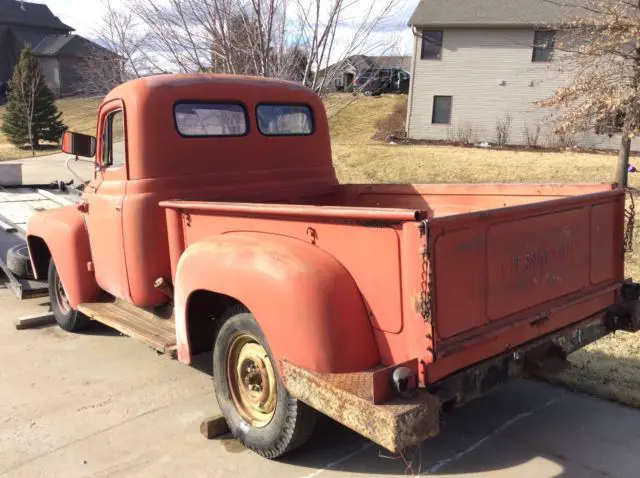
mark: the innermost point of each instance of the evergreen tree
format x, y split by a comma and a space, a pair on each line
31, 114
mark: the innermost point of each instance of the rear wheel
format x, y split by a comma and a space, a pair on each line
67, 318
258, 409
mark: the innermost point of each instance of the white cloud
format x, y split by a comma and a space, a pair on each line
79, 14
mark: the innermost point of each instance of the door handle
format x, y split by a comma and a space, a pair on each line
83, 207
118, 208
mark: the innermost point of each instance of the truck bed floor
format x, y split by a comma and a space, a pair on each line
141, 324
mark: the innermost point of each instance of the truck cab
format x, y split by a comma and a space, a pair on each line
215, 222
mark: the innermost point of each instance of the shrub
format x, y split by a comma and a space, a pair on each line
503, 130
465, 133
564, 140
531, 135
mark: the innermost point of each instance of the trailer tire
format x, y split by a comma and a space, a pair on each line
67, 318
18, 262
287, 423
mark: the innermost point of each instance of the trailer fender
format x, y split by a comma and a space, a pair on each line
305, 301
61, 234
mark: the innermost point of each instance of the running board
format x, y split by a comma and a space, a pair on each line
144, 325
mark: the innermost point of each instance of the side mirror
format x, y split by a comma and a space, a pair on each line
78, 144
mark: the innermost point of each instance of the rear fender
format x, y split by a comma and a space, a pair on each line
305, 301
64, 233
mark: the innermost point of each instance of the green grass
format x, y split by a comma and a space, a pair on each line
79, 114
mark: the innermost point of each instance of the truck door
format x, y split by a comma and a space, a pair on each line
105, 198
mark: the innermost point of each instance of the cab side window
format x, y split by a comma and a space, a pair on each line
114, 152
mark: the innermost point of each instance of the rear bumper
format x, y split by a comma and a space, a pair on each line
402, 422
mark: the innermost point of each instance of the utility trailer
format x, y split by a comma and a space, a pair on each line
17, 205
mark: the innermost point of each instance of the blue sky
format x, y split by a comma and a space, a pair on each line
82, 15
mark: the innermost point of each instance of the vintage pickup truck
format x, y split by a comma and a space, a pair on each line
215, 222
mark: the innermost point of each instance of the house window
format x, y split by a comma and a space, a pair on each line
544, 42
198, 120
441, 109
431, 45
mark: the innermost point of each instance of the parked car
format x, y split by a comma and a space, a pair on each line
215, 220
374, 82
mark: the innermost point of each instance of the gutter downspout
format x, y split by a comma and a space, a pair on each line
414, 60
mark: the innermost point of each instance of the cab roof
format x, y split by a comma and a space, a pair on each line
198, 84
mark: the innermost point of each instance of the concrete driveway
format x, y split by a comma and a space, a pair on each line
43, 170
99, 404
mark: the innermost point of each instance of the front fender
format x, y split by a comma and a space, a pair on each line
305, 301
65, 235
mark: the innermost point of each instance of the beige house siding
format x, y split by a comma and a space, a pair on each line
489, 74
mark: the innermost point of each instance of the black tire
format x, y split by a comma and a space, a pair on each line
67, 318
292, 422
18, 261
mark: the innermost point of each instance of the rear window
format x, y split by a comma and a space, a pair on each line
211, 119
285, 120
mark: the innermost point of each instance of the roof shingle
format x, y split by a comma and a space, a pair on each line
15, 12
484, 13
52, 45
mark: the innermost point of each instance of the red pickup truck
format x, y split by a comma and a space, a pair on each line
215, 221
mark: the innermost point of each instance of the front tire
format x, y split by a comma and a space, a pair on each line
67, 318
258, 409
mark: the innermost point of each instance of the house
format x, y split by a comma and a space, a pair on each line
342, 75
473, 68
59, 51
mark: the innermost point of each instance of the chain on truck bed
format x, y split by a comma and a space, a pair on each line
630, 217
426, 294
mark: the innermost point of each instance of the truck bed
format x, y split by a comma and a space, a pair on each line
506, 264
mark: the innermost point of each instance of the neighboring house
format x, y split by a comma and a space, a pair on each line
342, 75
472, 67
59, 51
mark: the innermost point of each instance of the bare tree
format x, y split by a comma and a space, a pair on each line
288, 39
118, 54
600, 51
320, 31
31, 114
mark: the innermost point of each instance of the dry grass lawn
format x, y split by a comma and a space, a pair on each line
609, 368
77, 113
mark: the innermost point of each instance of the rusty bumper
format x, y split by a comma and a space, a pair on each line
348, 399
398, 423
542, 357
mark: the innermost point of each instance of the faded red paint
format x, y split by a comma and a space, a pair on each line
233, 215
64, 232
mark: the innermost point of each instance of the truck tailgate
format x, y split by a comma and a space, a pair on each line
494, 268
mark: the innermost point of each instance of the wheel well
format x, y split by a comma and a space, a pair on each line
41, 256
203, 309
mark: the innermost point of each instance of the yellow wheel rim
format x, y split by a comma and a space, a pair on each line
252, 380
